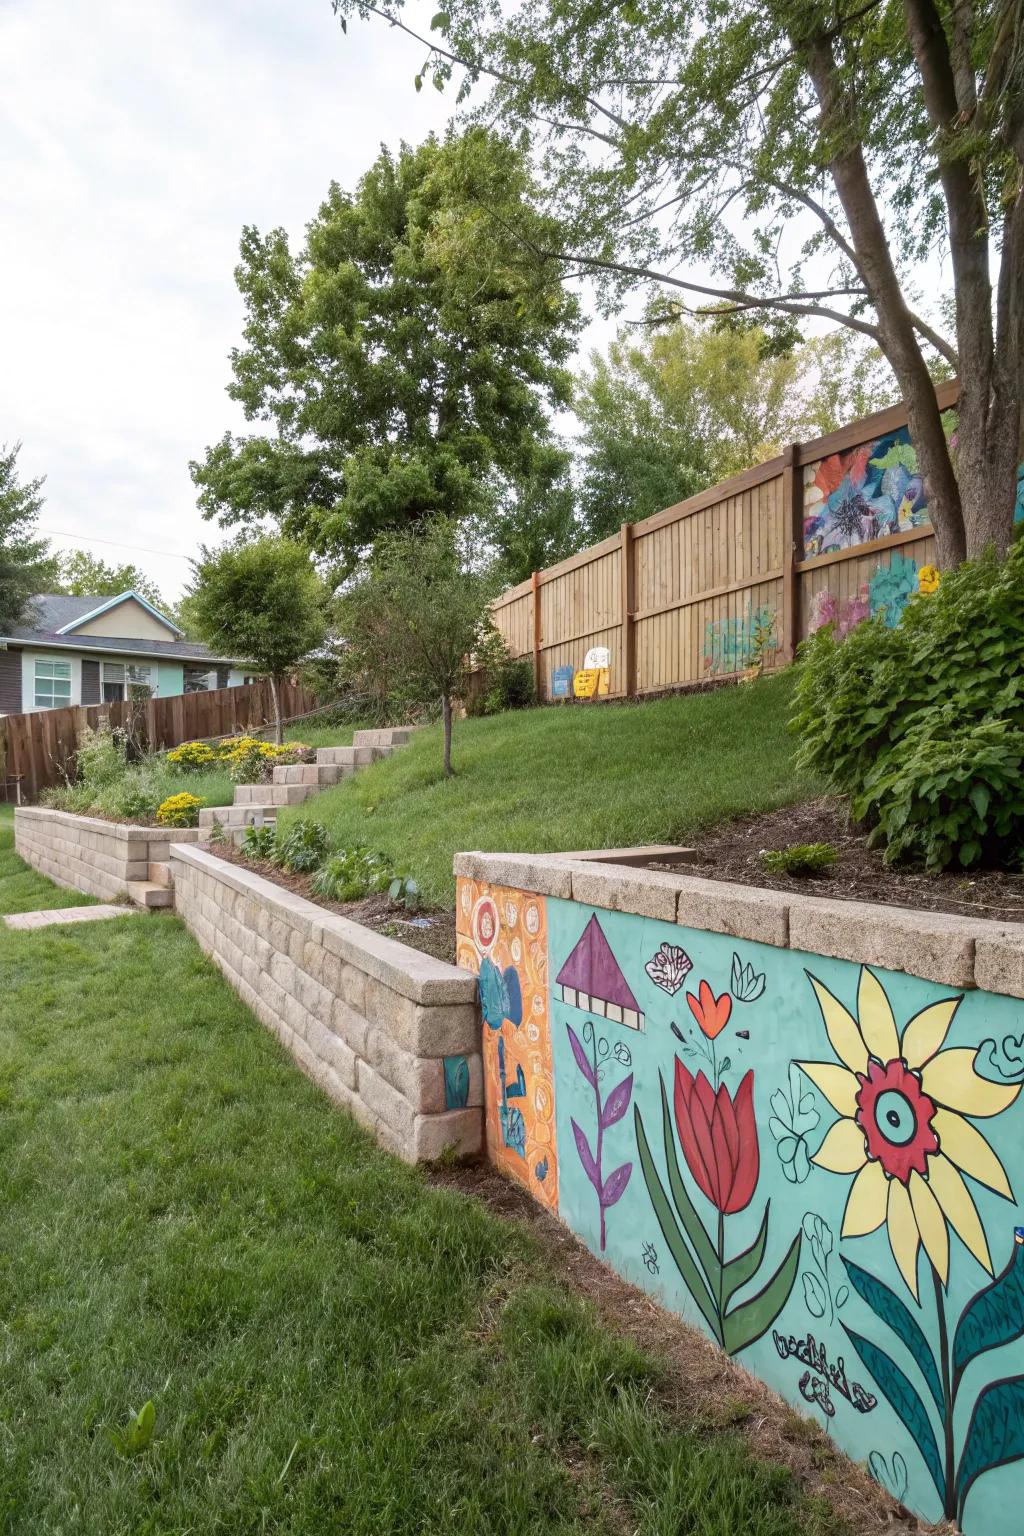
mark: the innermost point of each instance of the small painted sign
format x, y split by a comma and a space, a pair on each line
561, 683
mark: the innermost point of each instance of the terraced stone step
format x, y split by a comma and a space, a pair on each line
390, 736
273, 794
232, 816
348, 758
144, 893
319, 775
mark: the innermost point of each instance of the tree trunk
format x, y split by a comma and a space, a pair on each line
446, 714
276, 701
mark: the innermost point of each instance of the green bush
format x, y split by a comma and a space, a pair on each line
799, 859
303, 848
352, 873
259, 842
508, 681
921, 725
108, 785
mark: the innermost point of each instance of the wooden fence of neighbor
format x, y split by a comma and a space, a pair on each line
38, 748
834, 529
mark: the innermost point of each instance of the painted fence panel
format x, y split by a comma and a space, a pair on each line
810, 1160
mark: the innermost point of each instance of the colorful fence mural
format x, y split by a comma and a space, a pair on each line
808, 1159
870, 492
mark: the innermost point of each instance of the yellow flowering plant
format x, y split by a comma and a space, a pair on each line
179, 810
928, 580
192, 756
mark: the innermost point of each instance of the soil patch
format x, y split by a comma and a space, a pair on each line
702, 1388
731, 852
432, 932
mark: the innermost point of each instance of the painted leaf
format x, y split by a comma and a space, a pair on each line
904, 1398
586, 1156
684, 1260
512, 994
581, 1056
669, 968
747, 1322
615, 1184
692, 1224
617, 1102
746, 1264
814, 1294
993, 1316
885, 1304
492, 994
995, 1435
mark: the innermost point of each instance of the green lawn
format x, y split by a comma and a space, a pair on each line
330, 1344
543, 780
21, 889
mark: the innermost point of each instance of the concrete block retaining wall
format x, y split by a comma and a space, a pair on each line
391, 1034
88, 854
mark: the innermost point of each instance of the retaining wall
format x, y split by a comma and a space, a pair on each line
391, 1034
89, 854
796, 1121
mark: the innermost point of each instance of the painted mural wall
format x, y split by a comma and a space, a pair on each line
811, 1161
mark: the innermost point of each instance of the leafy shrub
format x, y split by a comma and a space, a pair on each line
304, 847
799, 859
508, 680
251, 761
352, 873
179, 811
192, 756
102, 756
405, 889
111, 786
259, 842
894, 717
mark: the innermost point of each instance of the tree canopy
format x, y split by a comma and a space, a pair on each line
259, 600
25, 563
669, 411
404, 362
800, 156
81, 574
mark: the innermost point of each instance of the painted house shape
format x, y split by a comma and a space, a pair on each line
591, 979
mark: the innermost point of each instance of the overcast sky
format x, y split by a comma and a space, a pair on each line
136, 138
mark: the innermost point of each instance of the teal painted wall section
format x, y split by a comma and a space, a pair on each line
172, 679
819, 1165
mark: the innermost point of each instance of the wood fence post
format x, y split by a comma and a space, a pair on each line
627, 580
792, 548
535, 590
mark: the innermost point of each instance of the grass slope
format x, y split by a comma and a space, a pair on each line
543, 780
330, 1344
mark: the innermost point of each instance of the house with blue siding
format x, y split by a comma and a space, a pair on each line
94, 650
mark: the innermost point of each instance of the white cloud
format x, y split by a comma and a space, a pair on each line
135, 141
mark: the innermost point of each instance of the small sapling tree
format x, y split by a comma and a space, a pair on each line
412, 621
260, 600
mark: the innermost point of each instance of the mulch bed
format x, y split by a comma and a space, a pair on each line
730, 852
702, 1389
432, 932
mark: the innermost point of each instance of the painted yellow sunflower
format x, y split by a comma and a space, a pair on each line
928, 579
902, 1129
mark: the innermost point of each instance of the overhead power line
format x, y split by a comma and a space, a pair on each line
142, 549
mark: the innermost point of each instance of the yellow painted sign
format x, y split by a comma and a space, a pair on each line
590, 682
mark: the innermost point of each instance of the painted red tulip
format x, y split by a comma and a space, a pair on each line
711, 1012
718, 1135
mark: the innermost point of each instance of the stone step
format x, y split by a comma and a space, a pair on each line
273, 794
143, 893
348, 757
319, 775
160, 874
390, 736
235, 815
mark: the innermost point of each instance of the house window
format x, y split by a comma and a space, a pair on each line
199, 680
121, 681
53, 684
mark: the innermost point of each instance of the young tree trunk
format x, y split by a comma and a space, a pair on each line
446, 715
275, 699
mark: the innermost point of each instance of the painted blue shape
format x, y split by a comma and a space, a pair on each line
561, 682
456, 1082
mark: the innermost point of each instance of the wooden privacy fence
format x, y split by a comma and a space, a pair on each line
39, 748
833, 529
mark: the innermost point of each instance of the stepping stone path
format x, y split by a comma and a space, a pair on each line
258, 804
56, 915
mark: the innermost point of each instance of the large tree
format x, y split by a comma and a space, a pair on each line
404, 361
804, 156
25, 563
669, 410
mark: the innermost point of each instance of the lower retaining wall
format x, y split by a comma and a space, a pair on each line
391, 1034
88, 854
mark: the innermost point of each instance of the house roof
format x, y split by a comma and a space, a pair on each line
51, 613
593, 969
106, 603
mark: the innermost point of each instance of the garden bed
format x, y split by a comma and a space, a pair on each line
732, 852
432, 933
